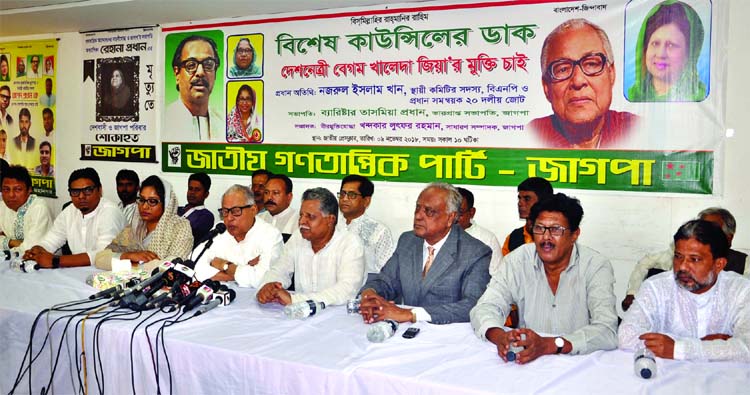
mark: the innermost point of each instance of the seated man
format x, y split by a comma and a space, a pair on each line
466, 220
437, 268
658, 262
354, 199
561, 288
24, 217
88, 225
277, 196
201, 219
697, 311
127, 190
328, 264
245, 251
530, 191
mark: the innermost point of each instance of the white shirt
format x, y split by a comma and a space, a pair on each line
30, 226
88, 233
262, 240
181, 125
333, 275
662, 306
489, 239
376, 238
128, 211
285, 221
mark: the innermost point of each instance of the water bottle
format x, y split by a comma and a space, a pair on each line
513, 350
352, 306
382, 331
16, 263
7, 256
300, 310
644, 362
28, 266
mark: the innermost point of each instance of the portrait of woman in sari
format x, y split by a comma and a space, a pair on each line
157, 234
668, 47
243, 122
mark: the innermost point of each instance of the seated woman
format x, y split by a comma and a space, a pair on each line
669, 45
157, 234
243, 123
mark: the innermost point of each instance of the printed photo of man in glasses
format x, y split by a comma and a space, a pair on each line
195, 65
578, 74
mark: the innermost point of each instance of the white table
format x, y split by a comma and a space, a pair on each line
247, 348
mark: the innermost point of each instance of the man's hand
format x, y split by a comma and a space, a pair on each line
139, 256
661, 345
535, 345
254, 261
627, 302
375, 308
40, 255
221, 276
716, 336
218, 263
274, 292
501, 339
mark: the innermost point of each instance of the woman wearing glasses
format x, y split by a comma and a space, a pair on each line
667, 52
156, 234
244, 60
243, 123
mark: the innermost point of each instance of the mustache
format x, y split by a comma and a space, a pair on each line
548, 244
199, 81
269, 203
304, 228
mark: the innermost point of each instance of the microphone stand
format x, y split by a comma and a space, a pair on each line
205, 247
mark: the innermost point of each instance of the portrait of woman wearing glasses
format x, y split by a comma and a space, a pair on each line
156, 234
243, 122
666, 55
244, 60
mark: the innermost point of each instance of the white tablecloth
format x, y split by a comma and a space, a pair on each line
247, 348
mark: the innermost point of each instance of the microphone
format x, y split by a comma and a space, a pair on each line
209, 238
382, 331
202, 295
644, 362
225, 295
107, 292
177, 273
206, 307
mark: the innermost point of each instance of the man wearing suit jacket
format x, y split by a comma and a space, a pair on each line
437, 268
24, 142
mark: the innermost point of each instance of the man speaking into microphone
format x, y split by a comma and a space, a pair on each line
245, 251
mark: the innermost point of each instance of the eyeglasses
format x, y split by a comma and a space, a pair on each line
245, 100
428, 211
244, 51
191, 64
235, 211
5, 97
87, 191
591, 65
348, 194
152, 202
553, 230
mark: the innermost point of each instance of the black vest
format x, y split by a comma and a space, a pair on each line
516, 239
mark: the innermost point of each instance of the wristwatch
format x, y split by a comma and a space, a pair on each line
55, 262
225, 267
560, 343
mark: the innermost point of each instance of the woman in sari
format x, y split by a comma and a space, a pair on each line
243, 123
669, 45
156, 234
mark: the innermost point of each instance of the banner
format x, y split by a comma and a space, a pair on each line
28, 109
601, 84
119, 95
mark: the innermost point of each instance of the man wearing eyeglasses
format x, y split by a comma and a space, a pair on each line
245, 251
354, 199
438, 271
88, 225
564, 291
6, 120
195, 64
578, 74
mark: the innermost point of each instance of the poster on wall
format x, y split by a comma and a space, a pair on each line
119, 95
604, 95
28, 109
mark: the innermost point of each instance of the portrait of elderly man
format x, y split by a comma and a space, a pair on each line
438, 270
244, 60
195, 64
697, 311
564, 291
24, 217
34, 72
245, 251
578, 74
328, 264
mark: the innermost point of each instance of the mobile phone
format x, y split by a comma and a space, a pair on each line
410, 333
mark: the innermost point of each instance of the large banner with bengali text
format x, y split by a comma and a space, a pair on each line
603, 95
119, 95
28, 109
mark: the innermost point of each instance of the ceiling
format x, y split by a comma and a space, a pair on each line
25, 17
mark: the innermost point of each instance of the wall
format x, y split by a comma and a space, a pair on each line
622, 226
